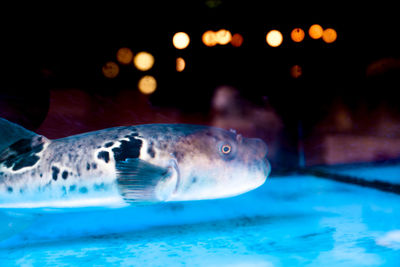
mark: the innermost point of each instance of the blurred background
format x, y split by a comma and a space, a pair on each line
319, 88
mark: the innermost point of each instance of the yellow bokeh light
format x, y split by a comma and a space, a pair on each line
110, 70
329, 35
147, 84
296, 71
315, 31
274, 38
143, 61
237, 40
209, 38
180, 64
297, 35
223, 36
181, 40
124, 55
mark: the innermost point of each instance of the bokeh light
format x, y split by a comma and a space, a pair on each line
147, 84
274, 38
237, 40
124, 55
329, 35
209, 38
315, 31
110, 69
297, 35
143, 61
223, 36
180, 64
296, 71
181, 40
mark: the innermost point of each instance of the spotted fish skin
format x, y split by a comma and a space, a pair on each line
153, 162
76, 164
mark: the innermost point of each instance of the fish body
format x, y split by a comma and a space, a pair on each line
123, 165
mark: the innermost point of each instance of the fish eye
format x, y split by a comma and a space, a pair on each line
226, 149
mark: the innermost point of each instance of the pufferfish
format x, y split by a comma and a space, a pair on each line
130, 164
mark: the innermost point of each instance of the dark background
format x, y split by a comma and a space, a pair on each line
50, 49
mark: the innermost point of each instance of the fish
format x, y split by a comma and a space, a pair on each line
124, 165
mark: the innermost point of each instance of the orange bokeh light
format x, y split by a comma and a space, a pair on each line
274, 38
147, 84
209, 38
297, 35
180, 64
296, 71
181, 40
124, 55
223, 36
110, 70
329, 35
237, 40
315, 31
143, 61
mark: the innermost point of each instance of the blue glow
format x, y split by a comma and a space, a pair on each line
388, 174
296, 220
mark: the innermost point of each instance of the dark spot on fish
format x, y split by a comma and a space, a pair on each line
128, 149
79, 146
83, 190
10, 189
99, 187
41, 175
133, 134
22, 153
21, 191
150, 150
78, 170
55, 171
25, 162
87, 166
64, 175
109, 144
104, 155
64, 190
178, 155
72, 188
194, 180
94, 165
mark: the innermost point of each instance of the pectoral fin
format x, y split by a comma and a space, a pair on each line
140, 181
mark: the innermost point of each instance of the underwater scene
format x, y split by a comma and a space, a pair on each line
199, 133
316, 222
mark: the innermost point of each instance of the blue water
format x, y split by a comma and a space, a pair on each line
290, 221
389, 174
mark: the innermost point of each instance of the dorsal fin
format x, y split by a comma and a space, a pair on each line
11, 132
